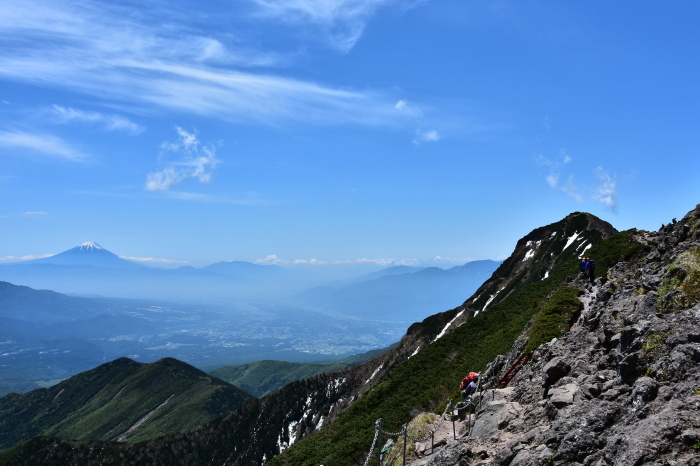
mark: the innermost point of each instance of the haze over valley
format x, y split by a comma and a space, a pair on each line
200, 315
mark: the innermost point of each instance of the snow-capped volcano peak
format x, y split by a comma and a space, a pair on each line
90, 245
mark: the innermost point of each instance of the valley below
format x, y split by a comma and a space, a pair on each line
204, 336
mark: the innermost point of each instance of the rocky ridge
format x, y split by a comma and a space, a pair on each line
622, 386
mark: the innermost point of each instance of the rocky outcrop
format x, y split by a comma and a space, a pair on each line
622, 387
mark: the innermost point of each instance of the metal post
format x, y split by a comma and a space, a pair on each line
405, 442
454, 431
378, 426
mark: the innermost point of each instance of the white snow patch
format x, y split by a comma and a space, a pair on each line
444, 330
415, 352
90, 245
376, 371
292, 432
491, 298
334, 385
553, 234
571, 239
584, 249
320, 423
546, 275
531, 253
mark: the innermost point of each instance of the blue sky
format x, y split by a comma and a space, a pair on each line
353, 131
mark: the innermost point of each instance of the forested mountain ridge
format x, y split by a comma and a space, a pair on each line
121, 400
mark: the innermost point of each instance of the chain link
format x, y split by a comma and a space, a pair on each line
371, 450
392, 434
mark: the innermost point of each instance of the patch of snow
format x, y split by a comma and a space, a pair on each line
444, 330
553, 234
334, 385
491, 298
376, 371
90, 245
546, 275
414, 353
320, 423
531, 253
292, 432
584, 249
571, 239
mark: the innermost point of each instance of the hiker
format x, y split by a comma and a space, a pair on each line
468, 385
582, 266
590, 269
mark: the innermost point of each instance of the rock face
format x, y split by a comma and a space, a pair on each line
622, 387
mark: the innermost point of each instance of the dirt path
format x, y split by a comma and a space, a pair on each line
443, 436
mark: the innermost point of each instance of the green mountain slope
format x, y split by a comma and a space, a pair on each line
264, 377
122, 400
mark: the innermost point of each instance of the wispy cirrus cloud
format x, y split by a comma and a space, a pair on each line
554, 175
109, 122
43, 144
425, 135
192, 160
341, 22
139, 60
23, 258
606, 191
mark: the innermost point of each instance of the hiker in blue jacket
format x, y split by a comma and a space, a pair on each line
589, 269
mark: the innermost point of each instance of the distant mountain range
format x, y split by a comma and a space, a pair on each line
401, 293
395, 293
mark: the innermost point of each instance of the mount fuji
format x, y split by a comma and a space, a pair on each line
89, 253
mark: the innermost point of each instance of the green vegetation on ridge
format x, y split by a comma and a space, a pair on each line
106, 402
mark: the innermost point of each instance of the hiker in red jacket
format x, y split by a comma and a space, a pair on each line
468, 385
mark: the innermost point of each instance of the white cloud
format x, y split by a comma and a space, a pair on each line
453, 260
606, 191
152, 260
571, 189
22, 258
407, 108
341, 22
149, 62
107, 121
425, 135
193, 161
45, 144
32, 213
553, 178
274, 259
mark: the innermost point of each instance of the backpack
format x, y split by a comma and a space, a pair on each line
471, 377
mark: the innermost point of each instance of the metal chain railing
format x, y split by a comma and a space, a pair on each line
374, 442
